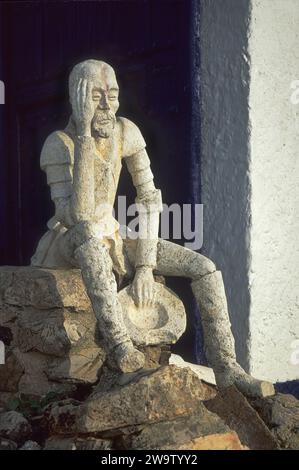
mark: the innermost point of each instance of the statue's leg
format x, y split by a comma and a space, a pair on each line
92, 256
208, 289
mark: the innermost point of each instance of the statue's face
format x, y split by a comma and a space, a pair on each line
105, 98
104, 94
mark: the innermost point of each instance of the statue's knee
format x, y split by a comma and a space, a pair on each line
84, 231
201, 266
89, 247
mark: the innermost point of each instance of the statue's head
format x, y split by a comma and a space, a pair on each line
104, 93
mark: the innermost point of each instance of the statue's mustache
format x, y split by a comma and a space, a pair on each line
103, 116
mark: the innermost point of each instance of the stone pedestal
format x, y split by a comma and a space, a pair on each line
51, 338
49, 331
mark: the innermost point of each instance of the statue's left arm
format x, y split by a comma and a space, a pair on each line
149, 206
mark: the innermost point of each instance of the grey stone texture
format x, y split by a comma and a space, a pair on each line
14, 426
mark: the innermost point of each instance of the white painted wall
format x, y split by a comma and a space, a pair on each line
250, 173
274, 147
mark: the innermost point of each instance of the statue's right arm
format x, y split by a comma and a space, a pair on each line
72, 194
82, 198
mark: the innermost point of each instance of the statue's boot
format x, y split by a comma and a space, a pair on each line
96, 269
218, 338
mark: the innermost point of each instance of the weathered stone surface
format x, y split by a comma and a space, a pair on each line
162, 395
11, 372
172, 434
50, 346
77, 443
204, 373
280, 410
34, 373
80, 366
5, 398
43, 288
30, 445
6, 444
34, 381
226, 441
54, 332
155, 356
281, 414
8, 313
8, 324
6, 275
14, 426
239, 415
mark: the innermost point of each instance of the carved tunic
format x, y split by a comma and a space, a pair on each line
57, 160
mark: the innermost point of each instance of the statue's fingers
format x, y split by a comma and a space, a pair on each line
144, 295
133, 294
78, 96
74, 101
138, 295
89, 87
83, 94
154, 295
147, 293
148, 296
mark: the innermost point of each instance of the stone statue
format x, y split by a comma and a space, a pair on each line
83, 164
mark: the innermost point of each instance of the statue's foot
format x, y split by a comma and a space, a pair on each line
128, 358
246, 384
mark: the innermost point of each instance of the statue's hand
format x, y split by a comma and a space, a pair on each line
143, 287
83, 107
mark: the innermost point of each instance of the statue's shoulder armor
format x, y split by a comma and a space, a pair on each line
132, 139
58, 149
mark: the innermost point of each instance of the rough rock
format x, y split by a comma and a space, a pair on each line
5, 398
155, 356
43, 288
226, 441
165, 394
54, 332
281, 414
14, 426
50, 330
180, 431
34, 373
80, 366
34, 380
77, 443
6, 444
30, 445
204, 373
6, 274
239, 415
8, 325
11, 372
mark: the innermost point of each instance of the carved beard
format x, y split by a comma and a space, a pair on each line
103, 123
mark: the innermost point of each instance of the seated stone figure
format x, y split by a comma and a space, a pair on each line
83, 164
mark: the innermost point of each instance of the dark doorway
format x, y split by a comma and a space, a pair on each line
148, 44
